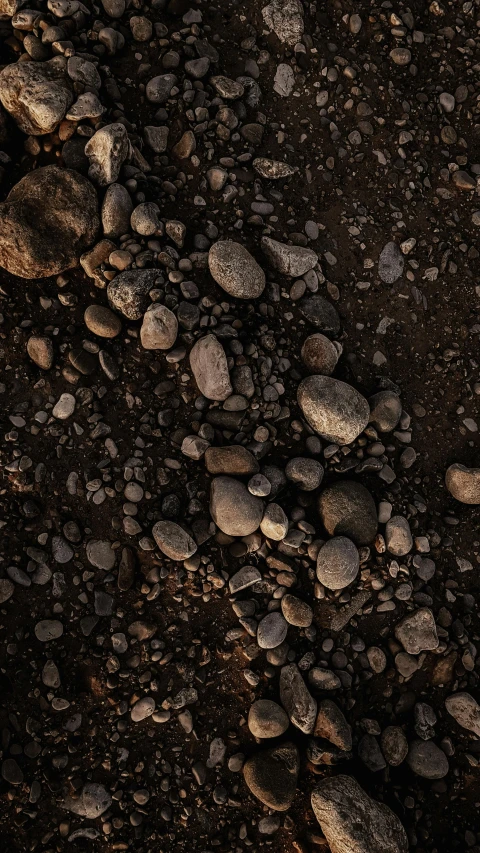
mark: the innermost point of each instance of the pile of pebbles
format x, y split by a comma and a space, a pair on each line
223, 597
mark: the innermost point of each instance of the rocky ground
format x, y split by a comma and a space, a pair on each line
239, 340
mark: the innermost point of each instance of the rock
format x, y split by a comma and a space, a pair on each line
465, 710
100, 554
272, 170
427, 760
337, 563
300, 706
11, 772
267, 719
333, 409
394, 745
210, 369
235, 270
107, 150
48, 629
142, 709
296, 611
417, 632
7, 589
128, 292
64, 407
385, 410
116, 211
347, 509
158, 88
36, 94
323, 315
390, 263
245, 577
227, 88
284, 80
319, 355
40, 350
400, 56
102, 322
285, 18
352, 822
272, 630
289, 260
39, 240
274, 524
234, 510
463, 483
272, 775
398, 536
185, 146
144, 219
159, 328
332, 725
235, 460
93, 801
323, 679
173, 540
86, 106
306, 473
156, 138
370, 753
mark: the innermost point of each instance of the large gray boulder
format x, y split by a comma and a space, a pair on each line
36, 94
334, 409
48, 220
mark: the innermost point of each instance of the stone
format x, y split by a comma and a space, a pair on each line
427, 760
39, 240
370, 753
296, 611
320, 355
11, 772
173, 540
323, 679
463, 483
385, 410
390, 263
107, 150
332, 725
102, 322
116, 211
128, 292
159, 88
159, 328
398, 536
231, 460
234, 510
352, 822
93, 801
245, 577
185, 146
284, 80
142, 709
48, 629
400, 56
306, 473
347, 509
227, 88
36, 94
141, 28
87, 105
144, 219
274, 524
337, 563
323, 315
7, 589
235, 270
64, 407
394, 745
271, 775
210, 369
335, 410
267, 719
285, 18
273, 170
465, 710
100, 554
40, 350
417, 632
156, 138
292, 261
272, 630
299, 704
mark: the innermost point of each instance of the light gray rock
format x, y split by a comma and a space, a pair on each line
390, 263
267, 719
289, 260
39, 240
417, 632
274, 524
173, 540
107, 150
64, 407
144, 219
427, 760
285, 18
319, 355
284, 80
398, 536
347, 509
273, 170
210, 369
116, 211
337, 563
463, 483
300, 706
332, 408
271, 775
87, 105
128, 292
323, 679
36, 94
235, 270
84, 72
385, 410
159, 328
93, 801
234, 510
465, 710
352, 822
272, 630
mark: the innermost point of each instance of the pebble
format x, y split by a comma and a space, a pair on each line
292, 261
267, 719
40, 350
235, 270
427, 760
320, 355
271, 775
417, 632
300, 706
102, 322
210, 369
232, 507
64, 407
173, 540
337, 563
335, 410
398, 536
463, 483
272, 630
159, 328
347, 508
48, 629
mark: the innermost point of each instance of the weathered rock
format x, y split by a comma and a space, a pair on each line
394, 745
159, 328
398, 536
417, 632
332, 725
233, 460
7, 589
107, 150
173, 540
272, 630
332, 408
347, 509
235, 270
93, 801
465, 710
427, 760
324, 316
289, 260
337, 563
390, 263
273, 170
210, 369
233, 509
128, 292
385, 410
40, 350
463, 483
274, 524
156, 138
36, 94
142, 709
284, 80
352, 822
267, 719
300, 706
158, 88
272, 775
285, 18
116, 211
306, 473
320, 355
38, 239
296, 611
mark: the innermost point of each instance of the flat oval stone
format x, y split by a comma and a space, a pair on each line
267, 719
142, 709
173, 540
236, 270
48, 629
427, 760
337, 563
463, 483
272, 630
334, 409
